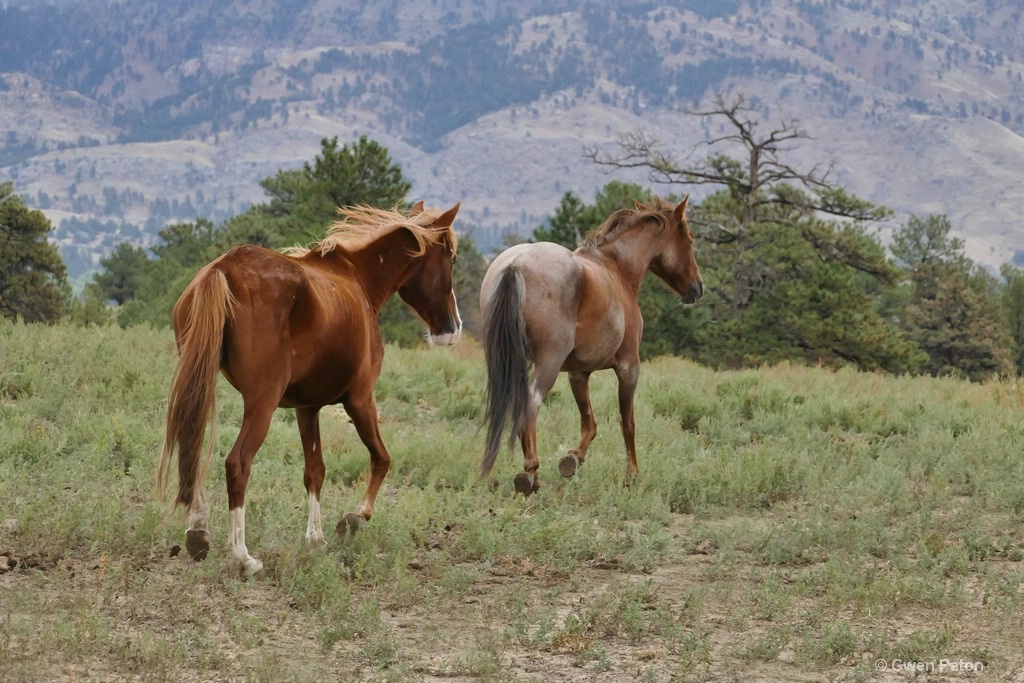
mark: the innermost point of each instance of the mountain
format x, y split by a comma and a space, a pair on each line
122, 115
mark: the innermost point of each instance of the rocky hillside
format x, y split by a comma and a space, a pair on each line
120, 116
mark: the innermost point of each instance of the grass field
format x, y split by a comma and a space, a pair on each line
789, 523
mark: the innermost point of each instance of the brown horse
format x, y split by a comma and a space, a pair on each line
299, 330
576, 312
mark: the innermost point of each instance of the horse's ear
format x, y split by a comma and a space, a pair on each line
416, 209
680, 210
448, 217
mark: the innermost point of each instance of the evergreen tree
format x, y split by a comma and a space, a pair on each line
304, 202
953, 311
567, 225
122, 274
924, 242
573, 219
90, 307
191, 244
33, 277
1011, 297
812, 291
186, 248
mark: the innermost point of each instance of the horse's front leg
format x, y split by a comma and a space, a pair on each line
579, 382
363, 412
313, 476
628, 373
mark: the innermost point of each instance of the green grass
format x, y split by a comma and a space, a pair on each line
787, 522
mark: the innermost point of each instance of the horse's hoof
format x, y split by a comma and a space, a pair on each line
316, 541
567, 466
245, 568
525, 484
349, 525
197, 542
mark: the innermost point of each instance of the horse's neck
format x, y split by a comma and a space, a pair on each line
633, 252
381, 264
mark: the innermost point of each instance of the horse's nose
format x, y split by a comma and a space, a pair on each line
447, 337
451, 332
695, 292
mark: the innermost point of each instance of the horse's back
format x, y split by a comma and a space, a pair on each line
262, 271
572, 305
552, 281
549, 271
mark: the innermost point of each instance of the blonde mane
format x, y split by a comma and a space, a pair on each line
624, 220
360, 225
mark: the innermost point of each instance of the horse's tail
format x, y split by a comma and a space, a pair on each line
192, 402
508, 354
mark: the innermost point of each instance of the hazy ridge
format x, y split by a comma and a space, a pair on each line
120, 116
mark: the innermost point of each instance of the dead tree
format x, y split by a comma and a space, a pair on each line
761, 179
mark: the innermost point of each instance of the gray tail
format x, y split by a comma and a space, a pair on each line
507, 350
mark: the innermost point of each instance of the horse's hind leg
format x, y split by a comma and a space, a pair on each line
579, 382
313, 476
255, 424
526, 481
628, 374
197, 537
544, 377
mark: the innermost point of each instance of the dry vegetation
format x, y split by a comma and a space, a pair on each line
790, 524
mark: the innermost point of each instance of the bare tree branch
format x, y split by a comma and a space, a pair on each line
759, 178
763, 169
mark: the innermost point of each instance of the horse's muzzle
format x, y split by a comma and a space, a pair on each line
446, 338
694, 294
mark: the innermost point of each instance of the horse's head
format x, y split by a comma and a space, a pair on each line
428, 288
676, 263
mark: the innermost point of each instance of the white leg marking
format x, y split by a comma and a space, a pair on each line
314, 531
363, 508
198, 512
537, 398
241, 561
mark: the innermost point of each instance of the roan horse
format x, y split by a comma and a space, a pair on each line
299, 330
576, 312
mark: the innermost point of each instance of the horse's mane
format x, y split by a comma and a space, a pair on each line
624, 220
360, 225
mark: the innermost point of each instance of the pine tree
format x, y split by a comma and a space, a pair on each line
952, 312
567, 225
304, 202
1011, 298
122, 273
33, 276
